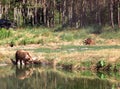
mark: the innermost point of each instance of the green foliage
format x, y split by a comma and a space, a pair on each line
86, 63
11, 14
55, 14
110, 35
45, 35
50, 58
101, 75
86, 73
5, 33
23, 42
67, 62
101, 63
95, 29
13, 42
67, 37
117, 66
27, 41
5, 1
41, 41
80, 34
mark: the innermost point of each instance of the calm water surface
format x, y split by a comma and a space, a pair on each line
12, 77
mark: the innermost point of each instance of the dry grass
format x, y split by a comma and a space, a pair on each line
109, 55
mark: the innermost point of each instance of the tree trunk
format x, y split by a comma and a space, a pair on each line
0, 10
35, 12
118, 7
53, 14
15, 14
59, 12
63, 12
111, 13
98, 15
70, 13
44, 12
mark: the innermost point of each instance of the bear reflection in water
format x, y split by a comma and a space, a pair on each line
23, 72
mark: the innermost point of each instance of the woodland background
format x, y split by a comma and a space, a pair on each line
68, 13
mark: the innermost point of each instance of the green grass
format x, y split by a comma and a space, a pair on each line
44, 35
67, 37
72, 48
74, 35
37, 35
84, 48
5, 34
26, 36
110, 35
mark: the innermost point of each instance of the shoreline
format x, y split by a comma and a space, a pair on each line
70, 59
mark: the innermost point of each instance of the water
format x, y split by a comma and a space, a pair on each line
12, 77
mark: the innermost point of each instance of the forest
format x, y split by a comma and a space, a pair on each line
67, 13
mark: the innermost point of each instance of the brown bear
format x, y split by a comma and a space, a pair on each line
89, 41
22, 56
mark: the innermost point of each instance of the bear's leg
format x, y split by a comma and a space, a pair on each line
25, 62
20, 62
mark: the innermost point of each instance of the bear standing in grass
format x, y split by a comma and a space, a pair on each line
22, 56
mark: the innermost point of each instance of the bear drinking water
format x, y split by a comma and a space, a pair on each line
22, 56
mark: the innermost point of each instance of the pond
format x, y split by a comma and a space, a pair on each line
37, 77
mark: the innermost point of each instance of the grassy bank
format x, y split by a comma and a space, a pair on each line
64, 48
47, 36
